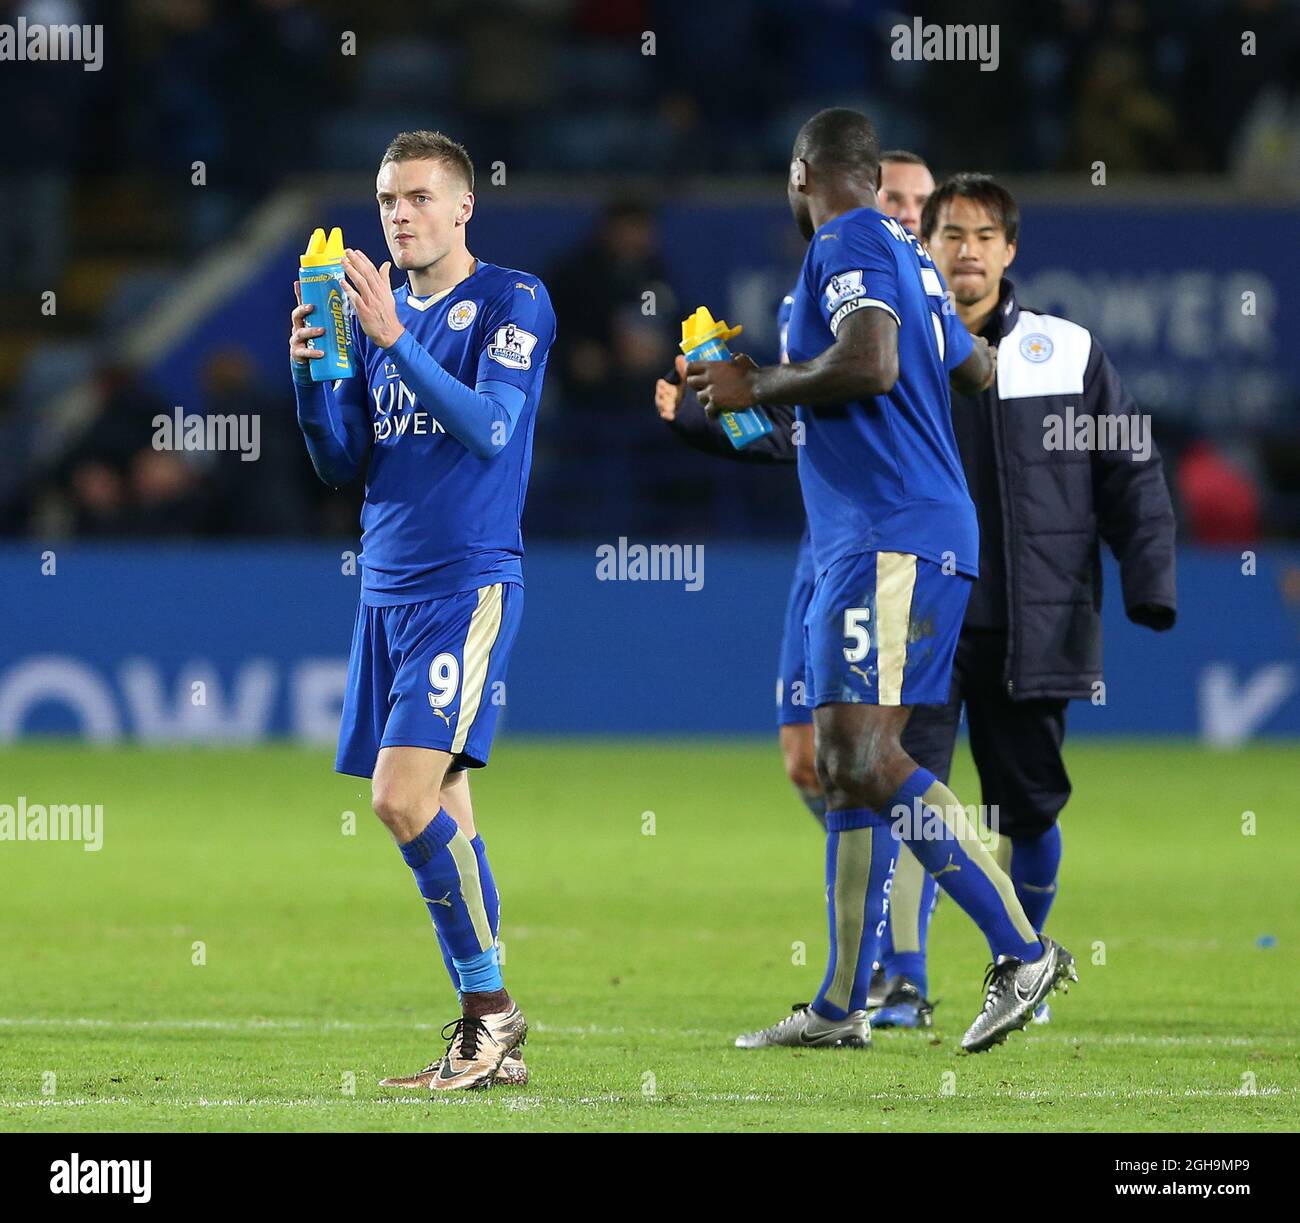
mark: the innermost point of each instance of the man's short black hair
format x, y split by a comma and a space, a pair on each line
984, 190
840, 139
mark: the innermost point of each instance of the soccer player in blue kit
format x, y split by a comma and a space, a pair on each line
895, 547
440, 418
895, 998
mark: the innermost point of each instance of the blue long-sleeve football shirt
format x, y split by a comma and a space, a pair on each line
442, 423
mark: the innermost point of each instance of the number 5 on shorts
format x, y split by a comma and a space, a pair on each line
855, 630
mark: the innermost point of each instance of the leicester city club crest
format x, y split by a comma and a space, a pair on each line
461, 315
1036, 348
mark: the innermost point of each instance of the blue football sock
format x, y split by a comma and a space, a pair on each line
1035, 862
447, 960
911, 902
860, 848
480, 973
446, 869
491, 898
937, 829
909, 964
491, 902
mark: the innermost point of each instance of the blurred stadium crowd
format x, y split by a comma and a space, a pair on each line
93, 205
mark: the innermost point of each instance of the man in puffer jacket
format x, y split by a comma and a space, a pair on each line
1057, 459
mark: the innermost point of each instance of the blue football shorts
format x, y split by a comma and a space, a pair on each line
429, 674
793, 696
882, 629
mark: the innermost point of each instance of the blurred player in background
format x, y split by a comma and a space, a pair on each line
898, 987
440, 417
905, 186
895, 546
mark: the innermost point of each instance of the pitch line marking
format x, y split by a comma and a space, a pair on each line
1153, 1093
710, 1034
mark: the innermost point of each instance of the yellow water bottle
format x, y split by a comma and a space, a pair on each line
320, 272
705, 339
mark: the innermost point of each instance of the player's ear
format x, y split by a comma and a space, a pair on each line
1011, 254
466, 209
798, 174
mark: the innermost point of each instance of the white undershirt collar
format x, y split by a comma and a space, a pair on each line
423, 303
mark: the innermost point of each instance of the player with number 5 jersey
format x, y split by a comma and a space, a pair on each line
895, 541
439, 416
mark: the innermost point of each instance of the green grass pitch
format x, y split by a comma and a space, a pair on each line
636, 957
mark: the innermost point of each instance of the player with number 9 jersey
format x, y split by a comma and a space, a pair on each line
440, 417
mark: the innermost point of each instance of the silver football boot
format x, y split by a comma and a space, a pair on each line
1014, 990
805, 1029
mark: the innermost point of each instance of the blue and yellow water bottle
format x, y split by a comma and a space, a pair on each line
320, 271
704, 339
